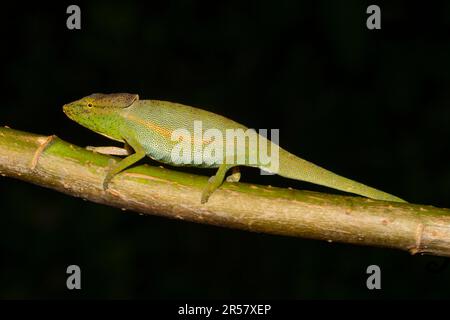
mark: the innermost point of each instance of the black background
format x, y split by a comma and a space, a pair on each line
372, 105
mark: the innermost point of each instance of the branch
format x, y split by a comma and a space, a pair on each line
55, 164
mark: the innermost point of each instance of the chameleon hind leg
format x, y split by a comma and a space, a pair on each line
115, 168
215, 181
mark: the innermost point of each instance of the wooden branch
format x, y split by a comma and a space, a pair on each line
55, 164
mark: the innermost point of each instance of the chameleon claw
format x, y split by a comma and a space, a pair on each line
209, 189
206, 193
109, 175
205, 198
214, 182
106, 183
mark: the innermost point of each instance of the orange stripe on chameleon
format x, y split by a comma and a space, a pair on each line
167, 133
154, 127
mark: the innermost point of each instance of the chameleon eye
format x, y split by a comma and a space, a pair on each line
89, 105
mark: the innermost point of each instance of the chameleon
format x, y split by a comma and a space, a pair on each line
146, 128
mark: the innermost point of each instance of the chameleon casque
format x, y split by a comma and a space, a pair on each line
146, 126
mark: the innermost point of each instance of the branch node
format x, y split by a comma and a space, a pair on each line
418, 237
40, 150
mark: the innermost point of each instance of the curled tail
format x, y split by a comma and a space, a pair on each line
293, 167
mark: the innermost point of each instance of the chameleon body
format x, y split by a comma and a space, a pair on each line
146, 126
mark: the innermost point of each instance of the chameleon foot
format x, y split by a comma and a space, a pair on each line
209, 189
214, 182
205, 195
109, 174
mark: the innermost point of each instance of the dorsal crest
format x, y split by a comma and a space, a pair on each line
118, 100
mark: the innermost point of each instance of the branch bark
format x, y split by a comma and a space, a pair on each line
53, 163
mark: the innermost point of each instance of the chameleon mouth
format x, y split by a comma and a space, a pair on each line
67, 110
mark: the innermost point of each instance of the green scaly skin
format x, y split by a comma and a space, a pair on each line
147, 125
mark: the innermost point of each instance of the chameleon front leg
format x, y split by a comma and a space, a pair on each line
115, 168
215, 181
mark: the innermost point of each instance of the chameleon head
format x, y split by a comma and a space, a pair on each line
99, 112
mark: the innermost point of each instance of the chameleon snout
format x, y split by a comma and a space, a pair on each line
68, 110
65, 108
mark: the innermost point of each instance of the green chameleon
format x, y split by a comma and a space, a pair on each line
146, 126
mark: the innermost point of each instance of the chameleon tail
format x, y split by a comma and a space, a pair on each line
291, 166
